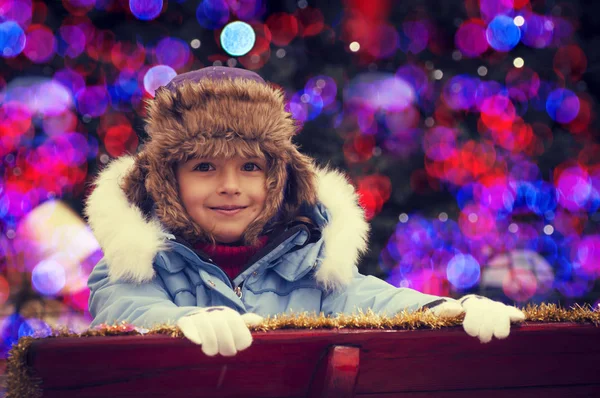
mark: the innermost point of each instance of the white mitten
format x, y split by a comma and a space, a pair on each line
448, 309
220, 330
485, 318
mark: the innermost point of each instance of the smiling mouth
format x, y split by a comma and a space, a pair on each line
228, 207
227, 210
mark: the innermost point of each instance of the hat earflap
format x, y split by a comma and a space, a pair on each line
301, 186
134, 185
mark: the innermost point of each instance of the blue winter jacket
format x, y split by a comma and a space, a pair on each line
149, 277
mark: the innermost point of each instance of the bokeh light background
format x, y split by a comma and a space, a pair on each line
469, 127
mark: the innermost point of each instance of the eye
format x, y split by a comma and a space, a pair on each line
251, 167
203, 167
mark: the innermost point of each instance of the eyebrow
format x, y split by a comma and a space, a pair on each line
208, 158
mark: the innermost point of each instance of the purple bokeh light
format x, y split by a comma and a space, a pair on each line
305, 105
374, 91
470, 39
157, 76
92, 100
40, 46
574, 187
459, 92
173, 52
537, 30
48, 277
212, 14
490, 9
562, 105
146, 10
463, 271
72, 41
440, 143
324, 87
16, 10
414, 39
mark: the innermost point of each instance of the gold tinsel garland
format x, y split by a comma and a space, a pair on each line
22, 383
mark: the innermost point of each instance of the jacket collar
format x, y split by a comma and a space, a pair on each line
130, 241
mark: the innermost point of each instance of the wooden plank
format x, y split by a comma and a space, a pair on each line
336, 373
586, 391
447, 361
283, 363
132, 365
189, 382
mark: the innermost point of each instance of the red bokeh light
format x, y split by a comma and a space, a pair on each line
100, 46
570, 62
128, 56
525, 80
477, 157
258, 56
79, 8
581, 123
310, 21
498, 112
283, 27
359, 149
120, 139
515, 139
476, 222
519, 284
373, 191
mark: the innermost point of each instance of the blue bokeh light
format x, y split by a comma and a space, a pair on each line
465, 195
305, 106
324, 87
12, 39
502, 33
543, 198
463, 271
48, 277
146, 10
459, 92
34, 327
238, 38
562, 105
212, 14
9, 332
538, 31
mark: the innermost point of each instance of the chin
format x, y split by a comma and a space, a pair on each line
227, 239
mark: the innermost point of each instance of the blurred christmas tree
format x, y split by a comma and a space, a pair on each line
468, 127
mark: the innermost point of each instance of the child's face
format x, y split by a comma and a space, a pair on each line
223, 196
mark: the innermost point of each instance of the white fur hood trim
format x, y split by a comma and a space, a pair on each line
130, 241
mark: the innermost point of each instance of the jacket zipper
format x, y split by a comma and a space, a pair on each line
225, 277
238, 290
267, 249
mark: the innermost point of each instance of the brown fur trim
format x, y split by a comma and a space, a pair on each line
220, 118
134, 185
213, 109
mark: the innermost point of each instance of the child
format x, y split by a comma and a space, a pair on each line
219, 221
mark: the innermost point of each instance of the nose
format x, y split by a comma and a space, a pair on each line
229, 183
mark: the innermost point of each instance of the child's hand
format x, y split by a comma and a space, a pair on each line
448, 309
220, 330
485, 318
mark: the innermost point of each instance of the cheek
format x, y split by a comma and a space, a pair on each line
192, 196
261, 197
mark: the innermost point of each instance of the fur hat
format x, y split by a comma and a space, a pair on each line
218, 111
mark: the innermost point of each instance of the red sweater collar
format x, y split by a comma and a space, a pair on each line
231, 259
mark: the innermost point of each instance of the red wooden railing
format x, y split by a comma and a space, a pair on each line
549, 360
